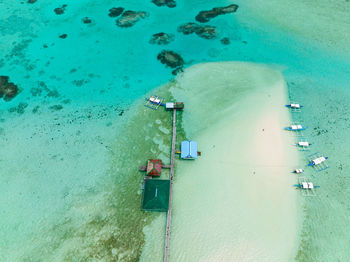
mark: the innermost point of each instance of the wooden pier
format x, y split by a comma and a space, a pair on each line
168, 220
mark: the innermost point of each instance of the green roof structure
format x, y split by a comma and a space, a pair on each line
156, 195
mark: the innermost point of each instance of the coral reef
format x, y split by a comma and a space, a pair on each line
225, 41
205, 16
86, 20
8, 90
207, 31
170, 58
168, 3
60, 10
115, 11
18, 109
161, 38
130, 18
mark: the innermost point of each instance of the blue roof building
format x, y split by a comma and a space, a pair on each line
189, 150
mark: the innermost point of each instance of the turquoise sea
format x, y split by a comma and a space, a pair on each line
71, 141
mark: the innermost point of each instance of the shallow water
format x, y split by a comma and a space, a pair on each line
61, 179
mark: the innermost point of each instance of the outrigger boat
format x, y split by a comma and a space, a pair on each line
318, 162
294, 106
295, 128
303, 145
307, 187
154, 102
298, 171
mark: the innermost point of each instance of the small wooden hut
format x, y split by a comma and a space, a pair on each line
154, 167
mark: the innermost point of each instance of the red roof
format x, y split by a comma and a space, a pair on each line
154, 167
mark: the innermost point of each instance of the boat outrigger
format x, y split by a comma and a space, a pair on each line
295, 128
306, 186
154, 102
318, 162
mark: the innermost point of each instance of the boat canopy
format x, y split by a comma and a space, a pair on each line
303, 143
295, 105
299, 170
296, 127
155, 100
319, 160
307, 185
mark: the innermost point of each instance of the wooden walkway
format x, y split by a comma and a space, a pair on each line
168, 220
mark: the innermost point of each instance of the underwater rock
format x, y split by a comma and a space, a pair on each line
115, 11
168, 3
161, 38
8, 90
205, 16
225, 41
129, 18
60, 10
207, 32
63, 36
86, 20
170, 59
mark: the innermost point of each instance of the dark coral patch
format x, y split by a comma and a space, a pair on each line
205, 16
161, 38
225, 41
86, 20
207, 31
19, 109
60, 10
168, 3
56, 107
177, 70
170, 59
188, 28
115, 11
8, 90
129, 18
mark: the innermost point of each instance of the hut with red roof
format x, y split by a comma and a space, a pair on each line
154, 167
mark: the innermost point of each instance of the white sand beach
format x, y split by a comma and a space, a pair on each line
237, 201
